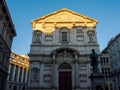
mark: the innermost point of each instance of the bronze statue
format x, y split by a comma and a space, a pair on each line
94, 61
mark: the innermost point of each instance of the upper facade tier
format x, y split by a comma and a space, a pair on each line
62, 18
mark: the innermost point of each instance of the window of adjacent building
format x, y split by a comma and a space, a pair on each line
108, 70
105, 71
104, 59
102, 70
101, 60
118, 53
107, 60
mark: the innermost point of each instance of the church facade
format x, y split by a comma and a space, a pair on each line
59, 55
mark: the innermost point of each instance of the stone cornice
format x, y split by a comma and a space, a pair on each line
19, 60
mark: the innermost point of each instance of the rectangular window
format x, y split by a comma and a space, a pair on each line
64, 36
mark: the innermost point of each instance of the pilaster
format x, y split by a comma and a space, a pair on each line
22, 74
76, 71
54, 71
41, 75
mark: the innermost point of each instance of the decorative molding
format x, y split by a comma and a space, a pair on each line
83, 77
80, 38
47, 77
48, 38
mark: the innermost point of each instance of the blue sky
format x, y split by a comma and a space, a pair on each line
107, 12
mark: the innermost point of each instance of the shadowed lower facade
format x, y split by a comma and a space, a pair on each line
59, 53
7, 33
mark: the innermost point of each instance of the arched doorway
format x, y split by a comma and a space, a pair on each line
65, 77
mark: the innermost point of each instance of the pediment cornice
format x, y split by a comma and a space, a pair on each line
62, 18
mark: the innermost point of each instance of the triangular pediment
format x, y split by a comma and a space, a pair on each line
64, 15
62, 18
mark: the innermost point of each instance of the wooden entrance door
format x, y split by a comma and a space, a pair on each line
65, 80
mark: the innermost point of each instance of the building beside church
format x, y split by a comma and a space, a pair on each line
18, 72
59, 55
7, 33
106, 70
113, 50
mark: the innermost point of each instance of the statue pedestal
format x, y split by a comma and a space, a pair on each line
97, 81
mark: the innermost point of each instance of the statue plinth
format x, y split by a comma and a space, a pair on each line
97, 81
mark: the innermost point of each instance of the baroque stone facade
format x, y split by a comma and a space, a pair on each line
113, 50
59, 53
18, 72
7, 33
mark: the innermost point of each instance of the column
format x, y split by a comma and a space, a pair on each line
76, 75
13, 76
41, 75
26, 76
9, 72
18, 74
29, 77
22, 74
53, 75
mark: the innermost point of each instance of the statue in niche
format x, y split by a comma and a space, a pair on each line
35, 74
37, 36
94, 61
91, 35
